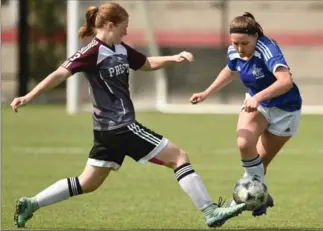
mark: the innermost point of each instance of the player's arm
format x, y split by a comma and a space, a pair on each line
158, 62
227, 74
275, 62
78, 62
283, 84
223, 79
51, 81
138, 61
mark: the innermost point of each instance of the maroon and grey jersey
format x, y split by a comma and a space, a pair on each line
107, 70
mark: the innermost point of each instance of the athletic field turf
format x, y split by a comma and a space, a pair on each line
41, 145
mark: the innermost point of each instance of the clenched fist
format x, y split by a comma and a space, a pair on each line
18, 102
184, 56
198, 97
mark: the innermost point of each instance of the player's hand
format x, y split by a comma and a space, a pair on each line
184, 56
198, 97
251, 105
18, 102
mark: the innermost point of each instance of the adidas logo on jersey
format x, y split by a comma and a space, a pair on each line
257, 72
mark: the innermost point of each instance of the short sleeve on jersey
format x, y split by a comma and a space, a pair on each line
135, 58
271, 54
84, 59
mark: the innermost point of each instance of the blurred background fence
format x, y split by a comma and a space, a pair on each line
200, 27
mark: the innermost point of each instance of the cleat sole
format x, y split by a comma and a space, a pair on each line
19, 208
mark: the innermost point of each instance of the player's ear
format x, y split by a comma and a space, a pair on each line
109, 26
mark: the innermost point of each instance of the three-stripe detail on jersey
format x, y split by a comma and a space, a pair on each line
78, 54
264, 50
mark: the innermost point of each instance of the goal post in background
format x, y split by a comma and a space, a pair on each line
153, 48
168, 91
73, 105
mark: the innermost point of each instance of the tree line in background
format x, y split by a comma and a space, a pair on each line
47, 36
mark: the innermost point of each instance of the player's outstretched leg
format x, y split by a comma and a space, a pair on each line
91, 178
59, 191
193, 186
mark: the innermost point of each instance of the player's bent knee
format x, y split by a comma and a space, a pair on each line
246, 145
182, 158
172, 156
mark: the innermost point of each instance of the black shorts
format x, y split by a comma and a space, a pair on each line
134, 140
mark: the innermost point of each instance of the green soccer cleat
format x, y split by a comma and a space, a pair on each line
24, 211
216, 216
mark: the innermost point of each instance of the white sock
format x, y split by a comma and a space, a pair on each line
59, 191
254, 167
193, 186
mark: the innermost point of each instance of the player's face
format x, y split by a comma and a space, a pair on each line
244, 44
117, 32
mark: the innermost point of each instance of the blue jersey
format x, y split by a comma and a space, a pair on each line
257, 73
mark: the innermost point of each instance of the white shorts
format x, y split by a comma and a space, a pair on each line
281, 123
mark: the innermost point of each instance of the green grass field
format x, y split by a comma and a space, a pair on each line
41, 145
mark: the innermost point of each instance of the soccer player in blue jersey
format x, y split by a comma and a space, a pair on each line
271, 111
106, 62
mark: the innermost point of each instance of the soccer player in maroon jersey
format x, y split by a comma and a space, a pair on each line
106, 61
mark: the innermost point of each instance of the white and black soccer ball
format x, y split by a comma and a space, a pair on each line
251, 191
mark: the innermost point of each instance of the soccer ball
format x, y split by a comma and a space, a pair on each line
251, 191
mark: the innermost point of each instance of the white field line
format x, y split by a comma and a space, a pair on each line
81, 151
